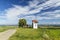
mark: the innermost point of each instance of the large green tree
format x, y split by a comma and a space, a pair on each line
22, 22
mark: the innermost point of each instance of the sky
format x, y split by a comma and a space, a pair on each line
45, 11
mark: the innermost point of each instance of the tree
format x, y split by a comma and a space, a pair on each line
22, 22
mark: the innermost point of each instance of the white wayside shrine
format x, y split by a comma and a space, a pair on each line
35, 24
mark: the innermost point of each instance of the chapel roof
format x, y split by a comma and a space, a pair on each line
35, 21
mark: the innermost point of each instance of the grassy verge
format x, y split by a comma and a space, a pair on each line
4, 28
35, 34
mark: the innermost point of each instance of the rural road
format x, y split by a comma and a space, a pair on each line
6, 34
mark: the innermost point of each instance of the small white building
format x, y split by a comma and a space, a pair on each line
35, 24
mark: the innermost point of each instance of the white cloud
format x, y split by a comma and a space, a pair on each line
12, 13
58, 16
19, 10
54, 13
33, 3
2, 17
49, 4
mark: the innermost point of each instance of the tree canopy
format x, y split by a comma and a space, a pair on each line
22, 22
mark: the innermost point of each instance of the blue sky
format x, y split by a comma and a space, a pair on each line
45, 11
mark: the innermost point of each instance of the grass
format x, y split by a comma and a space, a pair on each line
4, 28
35, 34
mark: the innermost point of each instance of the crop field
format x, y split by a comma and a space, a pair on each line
36, 34
4, 28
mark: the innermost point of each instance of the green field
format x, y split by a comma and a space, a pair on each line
4, 28
36, 34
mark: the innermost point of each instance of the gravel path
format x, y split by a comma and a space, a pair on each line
6, 34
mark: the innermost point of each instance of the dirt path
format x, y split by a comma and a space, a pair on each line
6, 34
